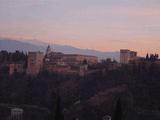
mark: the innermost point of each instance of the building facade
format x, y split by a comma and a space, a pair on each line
16, 68
78, 59
126, 56
35, 62
83, 70
16, 114
65, 63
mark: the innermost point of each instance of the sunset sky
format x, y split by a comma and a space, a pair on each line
104, 25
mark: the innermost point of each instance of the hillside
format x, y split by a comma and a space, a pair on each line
12, 45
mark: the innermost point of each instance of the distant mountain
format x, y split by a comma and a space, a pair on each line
12, 45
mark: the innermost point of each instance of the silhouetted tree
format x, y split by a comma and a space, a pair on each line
58, 113
156, 56
108, 60
52, 105
16, 56
153, 57
84, 62
147, 57
118, 111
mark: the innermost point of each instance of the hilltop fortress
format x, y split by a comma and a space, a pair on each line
58, 62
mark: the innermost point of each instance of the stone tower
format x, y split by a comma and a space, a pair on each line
48, 50
35, 62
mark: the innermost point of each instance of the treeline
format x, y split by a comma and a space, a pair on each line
16, 56
130, 92
137, 86
152, 57
40, 91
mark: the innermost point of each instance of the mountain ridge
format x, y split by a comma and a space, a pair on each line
12, 45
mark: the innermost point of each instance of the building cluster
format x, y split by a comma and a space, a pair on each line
16, 114
18, 67
127, 56
131, 58
23, 112
58, 62
55, 62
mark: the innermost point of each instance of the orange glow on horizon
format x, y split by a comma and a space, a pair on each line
142, 48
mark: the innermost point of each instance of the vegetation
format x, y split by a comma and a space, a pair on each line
130, 92
17, 56
152, 57
118, 115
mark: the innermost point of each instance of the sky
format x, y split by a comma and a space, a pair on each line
104, 25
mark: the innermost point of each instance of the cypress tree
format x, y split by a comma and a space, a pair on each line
147, 57
118, 111
58, 113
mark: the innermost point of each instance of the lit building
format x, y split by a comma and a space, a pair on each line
78, 59
107, 117
35, 62
53, 62
133, 55
65, 63
16, 68
126, 56
83, 70
16, 114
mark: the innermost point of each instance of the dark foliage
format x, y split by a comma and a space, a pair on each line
59, 112
17, 56
91, 97
118, 114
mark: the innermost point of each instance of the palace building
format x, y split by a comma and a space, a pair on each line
35, 62
60, 62
16, 68
57, 62
126, 56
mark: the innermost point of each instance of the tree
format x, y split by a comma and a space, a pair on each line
147, 57
108, 60
52, 105
118, 111
156, 56
84, 62
58, 113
